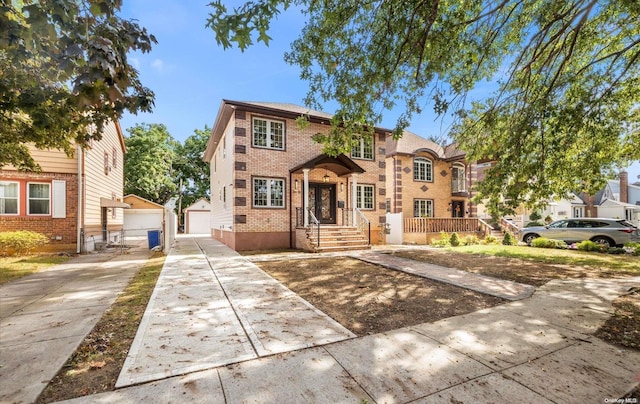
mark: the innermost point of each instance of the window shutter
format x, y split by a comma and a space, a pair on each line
59, 196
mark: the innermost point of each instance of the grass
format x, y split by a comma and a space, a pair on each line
12, 268
95, 365
553, 256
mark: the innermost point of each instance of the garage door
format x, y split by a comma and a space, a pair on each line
138, 221
198, 223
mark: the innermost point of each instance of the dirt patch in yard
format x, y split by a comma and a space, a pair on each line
369, 299
517, 270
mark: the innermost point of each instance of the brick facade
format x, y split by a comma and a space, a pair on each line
62, 232
236, 162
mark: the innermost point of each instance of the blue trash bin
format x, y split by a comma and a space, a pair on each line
154, 238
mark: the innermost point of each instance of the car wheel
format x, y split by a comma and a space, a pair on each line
603, 241
528, 239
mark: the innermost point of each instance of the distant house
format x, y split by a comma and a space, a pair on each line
271, 183
197, 217
75, 201
425, 179
143, 216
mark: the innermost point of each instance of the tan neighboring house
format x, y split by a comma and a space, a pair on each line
75, 201
425, 179
272, 186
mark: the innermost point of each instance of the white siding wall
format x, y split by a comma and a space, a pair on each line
222, 168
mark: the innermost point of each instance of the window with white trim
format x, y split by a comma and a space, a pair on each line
458, 178
38, 198
422, 169
268, 134
363, 148
9, 194
423, 208
268, 193
365, 196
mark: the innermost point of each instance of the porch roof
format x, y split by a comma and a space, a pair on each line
341, 165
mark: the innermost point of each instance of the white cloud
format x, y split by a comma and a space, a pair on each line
158, 64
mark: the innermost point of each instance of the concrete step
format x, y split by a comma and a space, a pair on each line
343, 248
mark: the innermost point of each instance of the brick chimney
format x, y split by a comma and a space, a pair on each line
624, 187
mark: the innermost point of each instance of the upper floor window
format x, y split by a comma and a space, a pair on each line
114, 158
422, 208
364, 196
106, 163
268, 133
363, 148
458, 178
268, 193
422, 169
8, 198
38, 199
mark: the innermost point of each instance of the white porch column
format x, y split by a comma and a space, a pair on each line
305, 193
354, 197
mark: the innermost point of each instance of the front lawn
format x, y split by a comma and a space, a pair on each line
12, 268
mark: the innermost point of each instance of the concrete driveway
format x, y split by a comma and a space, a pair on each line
45, 316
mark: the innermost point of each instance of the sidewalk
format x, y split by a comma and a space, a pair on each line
538, 349
45, 316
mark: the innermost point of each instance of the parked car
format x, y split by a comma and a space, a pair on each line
608, 232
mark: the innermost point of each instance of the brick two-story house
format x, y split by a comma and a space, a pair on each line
75, 201
270, 180
425, 179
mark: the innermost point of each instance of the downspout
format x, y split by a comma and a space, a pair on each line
290, 213
79, 210
395, 185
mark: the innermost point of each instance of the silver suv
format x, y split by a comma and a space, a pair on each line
608, 232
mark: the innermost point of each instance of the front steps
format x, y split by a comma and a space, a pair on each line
336, 238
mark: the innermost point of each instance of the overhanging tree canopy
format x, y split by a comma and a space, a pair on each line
64, 70
564, 114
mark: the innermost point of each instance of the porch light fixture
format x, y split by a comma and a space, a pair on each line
295, 185
326, 176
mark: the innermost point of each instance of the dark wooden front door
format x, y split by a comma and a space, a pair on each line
457, 209
322, 201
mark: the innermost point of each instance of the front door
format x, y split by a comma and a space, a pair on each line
457, 209
322, 201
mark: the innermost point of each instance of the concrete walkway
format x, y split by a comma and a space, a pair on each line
45, 316
480, 283
538, 349
212, 307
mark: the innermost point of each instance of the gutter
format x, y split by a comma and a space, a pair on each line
79, 210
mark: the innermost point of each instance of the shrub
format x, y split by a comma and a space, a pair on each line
471, 240
454, 240
443, 241
588, 245
535, 216
548, 219
20, 242
489, 239
508, 239
616, 250
532, 224
542, 242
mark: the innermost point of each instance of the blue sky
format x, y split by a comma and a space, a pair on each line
190, 74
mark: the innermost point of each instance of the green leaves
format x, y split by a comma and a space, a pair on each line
564, 114
64, 68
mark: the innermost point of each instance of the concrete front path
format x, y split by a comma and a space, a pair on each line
212, 307
534, 350
45, 316
538, 349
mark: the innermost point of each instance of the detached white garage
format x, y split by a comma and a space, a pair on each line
197, 218
143, 216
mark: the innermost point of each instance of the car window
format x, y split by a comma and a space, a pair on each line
626, 223
600, 224
585, 224
573, 223
560, 224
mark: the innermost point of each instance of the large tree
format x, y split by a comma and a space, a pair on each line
190, 169
148, 164
64, 73
565, 112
